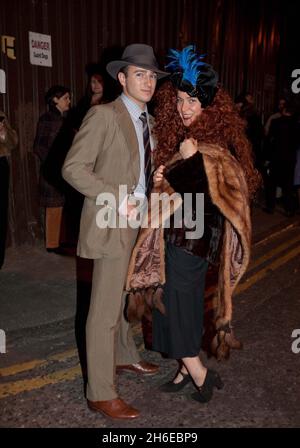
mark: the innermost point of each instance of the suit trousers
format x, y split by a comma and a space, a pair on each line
281, 174
109, 340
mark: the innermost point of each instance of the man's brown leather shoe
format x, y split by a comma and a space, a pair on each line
116, 408
142, 368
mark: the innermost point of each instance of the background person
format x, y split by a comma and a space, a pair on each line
51, 195
283, 143
8, 141
254, 127
94, 96
281, 106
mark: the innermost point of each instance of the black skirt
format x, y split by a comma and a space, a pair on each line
178, 333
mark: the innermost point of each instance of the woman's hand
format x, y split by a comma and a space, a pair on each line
188, 148
158, 176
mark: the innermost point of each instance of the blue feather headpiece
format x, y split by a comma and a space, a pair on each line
187, 62
190, 74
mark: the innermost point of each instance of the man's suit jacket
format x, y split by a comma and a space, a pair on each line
104, 155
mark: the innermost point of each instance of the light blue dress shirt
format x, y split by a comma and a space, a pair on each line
135, 111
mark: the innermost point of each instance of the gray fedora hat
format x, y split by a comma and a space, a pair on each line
140, 55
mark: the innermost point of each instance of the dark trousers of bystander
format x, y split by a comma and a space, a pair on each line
282, 175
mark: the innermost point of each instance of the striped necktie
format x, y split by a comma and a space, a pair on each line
147, 148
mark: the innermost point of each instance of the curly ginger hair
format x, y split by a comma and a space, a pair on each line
219, 124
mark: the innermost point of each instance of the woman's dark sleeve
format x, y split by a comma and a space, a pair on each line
41, 144
185, 176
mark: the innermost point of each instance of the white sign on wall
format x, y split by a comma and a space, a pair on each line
40, 49
2, 341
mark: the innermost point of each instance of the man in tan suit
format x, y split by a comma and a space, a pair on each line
108, 151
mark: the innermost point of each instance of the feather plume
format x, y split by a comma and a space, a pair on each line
187, 62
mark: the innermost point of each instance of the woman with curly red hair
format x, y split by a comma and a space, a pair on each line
220, 124
201, 149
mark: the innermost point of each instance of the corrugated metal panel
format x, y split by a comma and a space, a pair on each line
241, 39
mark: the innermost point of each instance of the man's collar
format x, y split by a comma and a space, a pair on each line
134, 110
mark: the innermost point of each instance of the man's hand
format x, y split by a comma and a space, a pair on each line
131, 210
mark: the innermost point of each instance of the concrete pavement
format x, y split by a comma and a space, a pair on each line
41, 384
39, 288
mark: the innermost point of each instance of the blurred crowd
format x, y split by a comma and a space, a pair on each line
276, 148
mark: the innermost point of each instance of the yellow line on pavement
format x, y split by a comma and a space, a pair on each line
270, 267
23, 367
263, 272
17, 368
64, 355
16, 387
275, 234
273, 252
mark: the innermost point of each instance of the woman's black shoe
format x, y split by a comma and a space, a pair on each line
170, 386
205, 392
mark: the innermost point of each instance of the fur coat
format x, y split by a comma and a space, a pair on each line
146, 274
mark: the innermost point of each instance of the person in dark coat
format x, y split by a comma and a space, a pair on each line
93, 96
254, 127
8, 141
51, 194
283, 142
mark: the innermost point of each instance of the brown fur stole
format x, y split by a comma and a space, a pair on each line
146, 274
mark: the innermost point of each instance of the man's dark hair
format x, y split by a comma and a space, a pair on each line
124, 70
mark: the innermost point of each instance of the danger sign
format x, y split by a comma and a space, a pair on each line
40, 49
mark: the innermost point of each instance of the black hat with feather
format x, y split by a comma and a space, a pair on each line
191, 75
